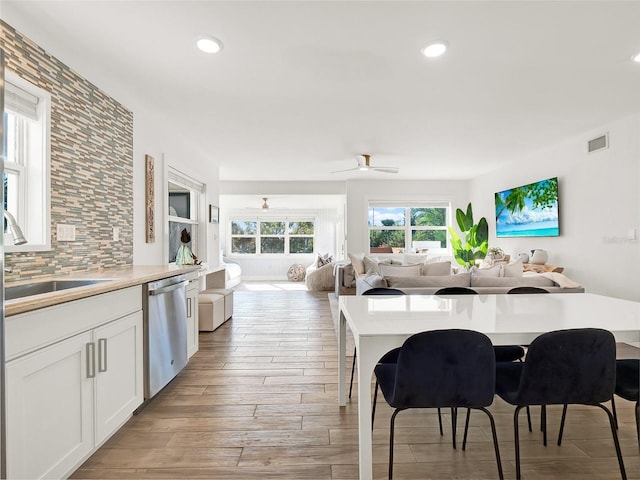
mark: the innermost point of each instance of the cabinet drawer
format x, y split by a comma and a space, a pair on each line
30, 331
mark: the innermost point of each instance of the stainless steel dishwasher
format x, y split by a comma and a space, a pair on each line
165, 339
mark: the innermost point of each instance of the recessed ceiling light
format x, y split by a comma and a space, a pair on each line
209, 44
435, 49
636, 58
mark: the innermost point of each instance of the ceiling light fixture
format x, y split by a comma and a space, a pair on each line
636, 58
435, 49
209, 44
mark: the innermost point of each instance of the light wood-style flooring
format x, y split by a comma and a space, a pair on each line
259, 401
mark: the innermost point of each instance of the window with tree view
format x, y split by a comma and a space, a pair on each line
399, 228
272, 236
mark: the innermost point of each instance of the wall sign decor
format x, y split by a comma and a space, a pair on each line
150, 227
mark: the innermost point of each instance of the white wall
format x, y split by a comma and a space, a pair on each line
599, 204
361, 192
153, 137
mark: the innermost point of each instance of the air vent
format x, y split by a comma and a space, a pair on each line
598, 143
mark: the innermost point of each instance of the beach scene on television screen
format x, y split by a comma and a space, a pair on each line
528, 211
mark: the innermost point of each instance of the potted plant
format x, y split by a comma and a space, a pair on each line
472, 245
496, 253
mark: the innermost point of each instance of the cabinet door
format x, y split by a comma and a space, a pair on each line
50, 409
119, 384
192, 317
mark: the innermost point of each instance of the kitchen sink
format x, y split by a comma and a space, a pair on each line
37, 288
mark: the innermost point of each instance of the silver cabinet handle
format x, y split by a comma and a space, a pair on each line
189, 307
91, 362
102, 355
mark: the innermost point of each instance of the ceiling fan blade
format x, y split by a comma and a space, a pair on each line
386, 169
347, 170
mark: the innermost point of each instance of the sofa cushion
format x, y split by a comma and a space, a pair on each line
357, 260
512, 269
375, 281
436, 269
525, 281
400, 270
459, 280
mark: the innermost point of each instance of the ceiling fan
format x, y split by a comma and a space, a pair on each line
364, 165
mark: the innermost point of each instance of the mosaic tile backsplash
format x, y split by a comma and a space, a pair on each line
91, 166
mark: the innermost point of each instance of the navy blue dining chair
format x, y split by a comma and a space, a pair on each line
628, 386
438, 369
563, 367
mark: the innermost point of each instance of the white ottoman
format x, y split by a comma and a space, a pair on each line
228, 299
210, 311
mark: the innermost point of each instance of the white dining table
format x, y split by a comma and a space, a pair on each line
381, 323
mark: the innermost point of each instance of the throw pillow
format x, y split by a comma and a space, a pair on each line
436, 269
400, 270
413, 259
323, 260
494, 271
371, 265
357, 260
513, 269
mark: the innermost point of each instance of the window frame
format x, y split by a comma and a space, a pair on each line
33, 170
407, 228
259, 236
197, 191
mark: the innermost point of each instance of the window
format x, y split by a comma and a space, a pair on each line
185, 207
272, 236
407, 228
26, 179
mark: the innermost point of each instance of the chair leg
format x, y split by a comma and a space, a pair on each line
561, 431
391, 429
614, 432
373, 407
516, 435
543, 424
353, 369
529, 418
495, 440
466, 429
454, 421
440, 421
638, 422
613, 410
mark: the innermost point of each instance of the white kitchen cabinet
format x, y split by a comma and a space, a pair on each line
49, 410
69, 390
192, 316
119, 373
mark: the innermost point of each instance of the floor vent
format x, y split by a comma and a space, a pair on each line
598, 143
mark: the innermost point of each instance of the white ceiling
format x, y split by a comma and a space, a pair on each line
301, 87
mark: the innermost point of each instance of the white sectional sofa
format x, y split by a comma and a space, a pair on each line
431, 274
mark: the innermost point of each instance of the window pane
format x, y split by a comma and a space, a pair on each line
301, 245
243, 245
386, 217
301, 228
430, 235
386, 238
436, 217
243, 228
272, 228
272, 244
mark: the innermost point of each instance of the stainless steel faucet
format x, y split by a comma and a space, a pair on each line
16, 232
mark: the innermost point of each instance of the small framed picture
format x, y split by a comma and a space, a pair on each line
214, 214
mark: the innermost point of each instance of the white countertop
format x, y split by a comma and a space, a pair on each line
118, 278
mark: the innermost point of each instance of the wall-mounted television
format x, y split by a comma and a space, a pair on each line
529, 210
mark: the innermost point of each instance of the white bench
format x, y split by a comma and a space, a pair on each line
210, 311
